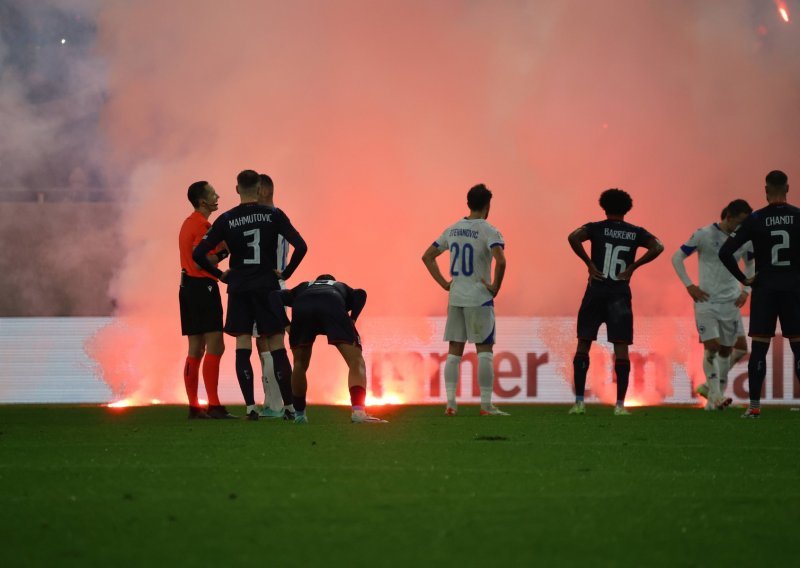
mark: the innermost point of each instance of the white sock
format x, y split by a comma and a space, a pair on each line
723, 367
272, 392
737, 355
251, 408
451, 372
710, 370
486, 376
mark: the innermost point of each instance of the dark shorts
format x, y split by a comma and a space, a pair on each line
768, 305
201, 305
248, 308
315, 316
611, 306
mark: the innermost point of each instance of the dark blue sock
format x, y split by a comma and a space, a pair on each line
244, 373
622, 368
283, 374
299, 403
580, 366
757, 370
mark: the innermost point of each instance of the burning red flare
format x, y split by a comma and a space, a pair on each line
783, 10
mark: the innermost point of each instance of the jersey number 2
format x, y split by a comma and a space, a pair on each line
784, 244
467, 254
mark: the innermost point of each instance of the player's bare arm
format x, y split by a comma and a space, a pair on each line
429, 259
499, 256
654, 248
576, 239
697, 293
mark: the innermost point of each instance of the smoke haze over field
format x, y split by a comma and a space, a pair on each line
374, 118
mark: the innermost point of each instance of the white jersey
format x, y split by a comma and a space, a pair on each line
470, 242
714, 278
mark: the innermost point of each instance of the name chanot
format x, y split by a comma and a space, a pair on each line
779, 220
250, 219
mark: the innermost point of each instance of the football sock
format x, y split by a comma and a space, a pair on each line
358, 397
712, 379
756, 371
191, 376
272, 391
486, 376
723, 367
580, 366
283, 374
244, 373
211, 378
299, 403
451, 371
737, 355
795, 345
622, 368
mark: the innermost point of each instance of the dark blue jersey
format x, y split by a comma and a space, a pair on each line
337, 293
775, 233
251, 232
614, 245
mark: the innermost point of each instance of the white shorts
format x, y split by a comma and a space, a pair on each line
473, 324
722, 322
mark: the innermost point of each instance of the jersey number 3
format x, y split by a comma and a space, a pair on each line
255, 244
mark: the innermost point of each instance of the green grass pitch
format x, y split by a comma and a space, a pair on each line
84, 486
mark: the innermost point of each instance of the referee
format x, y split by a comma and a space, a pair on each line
201, 306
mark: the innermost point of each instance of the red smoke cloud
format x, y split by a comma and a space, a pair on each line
374, 118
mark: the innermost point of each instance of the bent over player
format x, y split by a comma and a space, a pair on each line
473, 244
718, 298
251, 233
325, 307
775, 234
608, 294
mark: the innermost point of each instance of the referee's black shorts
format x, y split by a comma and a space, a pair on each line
201, 305
317, 315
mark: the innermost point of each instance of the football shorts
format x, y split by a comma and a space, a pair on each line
249, 308
200, 305
475, 324
768, 306
720, 321
610, 306
318, 315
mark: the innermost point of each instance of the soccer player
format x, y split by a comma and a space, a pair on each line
251, 232
273, 400
325, 306
201, 305
775, 234
472, 243
608, 294
718, 298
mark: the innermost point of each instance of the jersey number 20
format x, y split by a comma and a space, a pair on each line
467, 255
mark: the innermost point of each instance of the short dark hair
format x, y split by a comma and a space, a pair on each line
478, 197
615, 202
325, 277
247, 180
777, 179
196, 192
736, 208
266, 181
